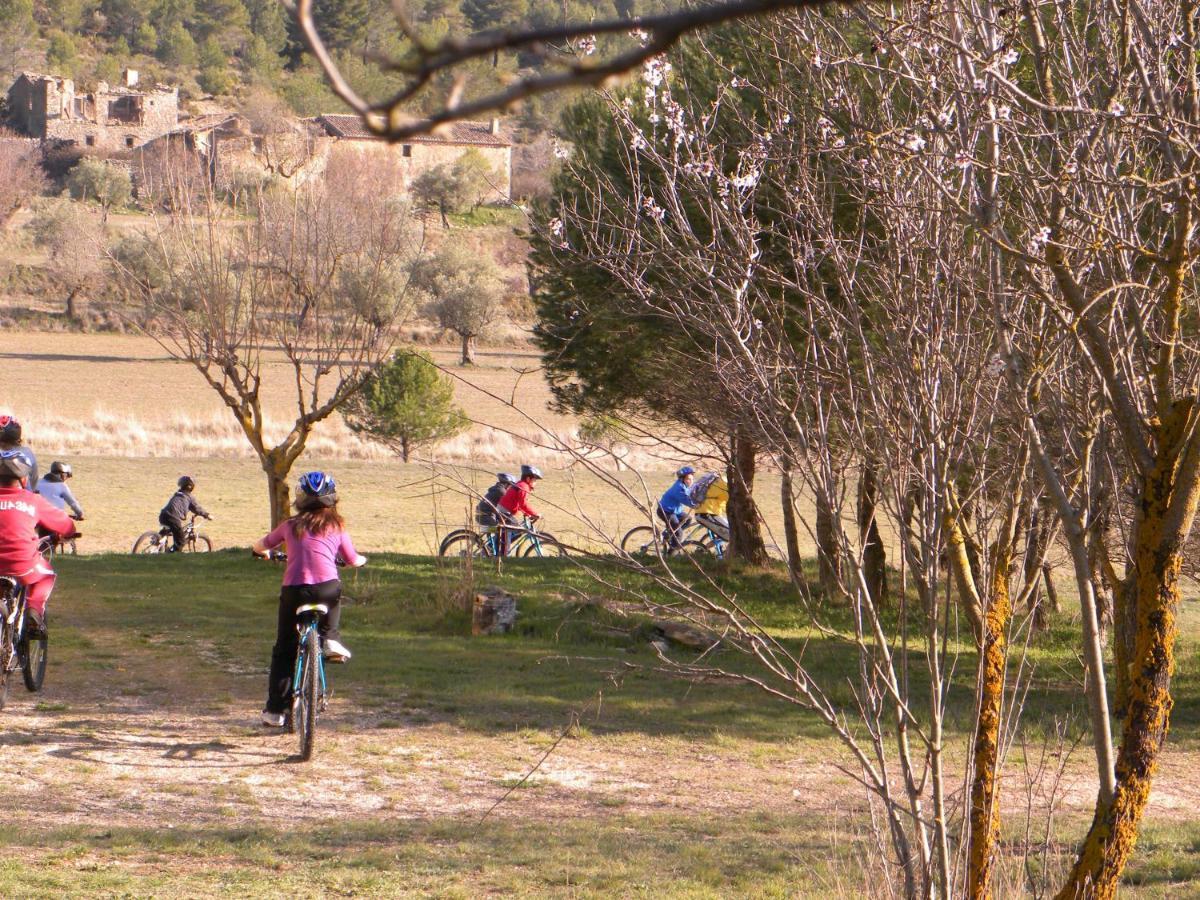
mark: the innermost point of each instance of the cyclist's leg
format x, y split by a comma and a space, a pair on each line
38, 585
176, 526
283, 654
330, 593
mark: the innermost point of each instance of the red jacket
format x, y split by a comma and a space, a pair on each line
516, 499
21, 514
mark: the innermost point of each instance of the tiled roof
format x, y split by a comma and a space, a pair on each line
477, 133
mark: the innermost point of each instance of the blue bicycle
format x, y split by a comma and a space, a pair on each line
309, 694
526, 539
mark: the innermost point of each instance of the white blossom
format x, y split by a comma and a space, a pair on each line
1038, 240
655, 71
1168, 207
1011, 56
737, 82
915, 143
996, 366
1004, 112
653, 210
817, 62
560, 152
638, 141
945, 117
1117, 110
962, 160
641, 36
556, 227
749, 180
587, 45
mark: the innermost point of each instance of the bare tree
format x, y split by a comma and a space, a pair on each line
314, 282
75, 247
21, 176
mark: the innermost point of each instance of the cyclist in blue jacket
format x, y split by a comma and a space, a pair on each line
674, 508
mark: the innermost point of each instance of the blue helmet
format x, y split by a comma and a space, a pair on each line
316, 489
686, 470
15, 463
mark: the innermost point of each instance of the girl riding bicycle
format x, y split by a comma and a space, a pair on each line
317, 541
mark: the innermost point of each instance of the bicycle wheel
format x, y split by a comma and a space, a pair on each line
33, 662
545, 545
462, 543
304, 706
694, 548
5, 660
148, 542
640, 541
201, 544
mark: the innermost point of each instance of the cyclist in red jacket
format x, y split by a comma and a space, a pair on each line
21, 515
516, 502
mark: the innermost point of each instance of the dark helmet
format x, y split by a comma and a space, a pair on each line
15, 463
186, 483
10, 430
506, 478
531, 472
60, 468
316, 489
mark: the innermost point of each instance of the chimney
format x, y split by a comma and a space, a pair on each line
495, 129
131, 78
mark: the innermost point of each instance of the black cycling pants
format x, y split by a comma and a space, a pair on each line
675, 526
176, 526
287, 639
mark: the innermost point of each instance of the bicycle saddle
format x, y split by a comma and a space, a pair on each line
312, 607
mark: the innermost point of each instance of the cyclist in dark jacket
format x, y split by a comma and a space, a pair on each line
179, 507
487, 510
10, 439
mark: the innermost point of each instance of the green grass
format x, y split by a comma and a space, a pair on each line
416, 667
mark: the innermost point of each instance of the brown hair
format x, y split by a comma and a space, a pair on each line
317, 521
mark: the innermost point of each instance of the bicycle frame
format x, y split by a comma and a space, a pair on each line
13, 610
524, 533
303, 627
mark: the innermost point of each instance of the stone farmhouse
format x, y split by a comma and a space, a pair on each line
111, 118
426, 151
132, 124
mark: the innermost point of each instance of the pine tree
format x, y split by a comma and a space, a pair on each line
406, 405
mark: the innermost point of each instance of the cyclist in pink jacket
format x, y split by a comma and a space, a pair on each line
316, 541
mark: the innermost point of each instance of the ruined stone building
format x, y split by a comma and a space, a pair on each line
111, 118
417, 154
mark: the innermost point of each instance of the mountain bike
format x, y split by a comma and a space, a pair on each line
18, 648
61, 547
160, 541
646, 540
526, 539
309, 696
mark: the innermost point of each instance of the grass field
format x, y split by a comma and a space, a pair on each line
131, 420
139, 771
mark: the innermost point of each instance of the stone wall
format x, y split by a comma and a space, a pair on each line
413, 159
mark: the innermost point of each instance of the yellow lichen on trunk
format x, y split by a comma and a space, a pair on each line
985, 810
1157, 556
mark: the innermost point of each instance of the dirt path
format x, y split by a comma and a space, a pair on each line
164, 733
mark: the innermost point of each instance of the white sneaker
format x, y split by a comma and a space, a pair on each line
273, 720
335, 651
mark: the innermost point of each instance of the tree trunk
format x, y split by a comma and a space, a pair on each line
795, 563
1035, 547
405, 449
1124, 634
745, 523
985, 808
468, 349
1157, 548
72, 306
829, 560
874, 554
278, 488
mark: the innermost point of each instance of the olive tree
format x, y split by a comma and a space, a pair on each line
464, 290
